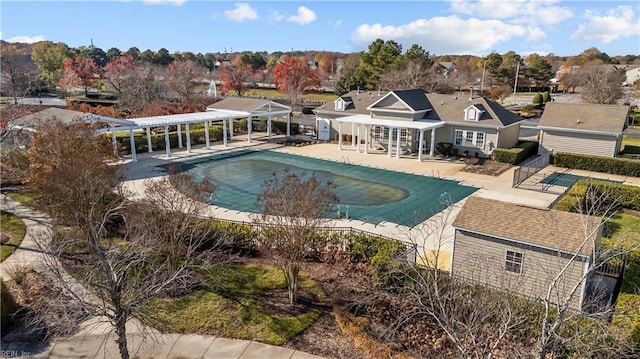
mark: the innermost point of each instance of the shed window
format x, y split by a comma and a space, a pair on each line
513, 262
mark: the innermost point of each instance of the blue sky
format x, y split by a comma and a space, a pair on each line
441, 27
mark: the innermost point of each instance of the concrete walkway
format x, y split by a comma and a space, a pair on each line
95, 339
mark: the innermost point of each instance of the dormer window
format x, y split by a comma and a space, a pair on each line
472, 113
339, 105
342, 103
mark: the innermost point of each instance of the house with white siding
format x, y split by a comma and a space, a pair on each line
413, 121
588, 129
523, 249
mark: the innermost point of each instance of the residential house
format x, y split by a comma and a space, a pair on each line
523, 249
588, 129
400, 118
632, 75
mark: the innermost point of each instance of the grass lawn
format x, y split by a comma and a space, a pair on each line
276, 93
23, 196
15, 228
626, 227
245, 304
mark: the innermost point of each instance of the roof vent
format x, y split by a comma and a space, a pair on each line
578, 121
442, 102
455, 97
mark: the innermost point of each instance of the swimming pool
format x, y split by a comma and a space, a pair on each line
368, 194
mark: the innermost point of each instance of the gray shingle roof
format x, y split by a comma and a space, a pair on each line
360, 101
51, 114
588, 117
543, 227
450, 108
243, 104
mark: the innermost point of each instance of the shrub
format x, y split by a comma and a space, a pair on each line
235, 238
546, 96
537, 98
444, 148
158, 141
383, 255
621, 195
8, 306
617, 166
515, 155
281, 126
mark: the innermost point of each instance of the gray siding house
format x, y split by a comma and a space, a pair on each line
474, 126
587, 129
522, 249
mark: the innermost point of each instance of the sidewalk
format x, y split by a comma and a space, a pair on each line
98, 342
171, 346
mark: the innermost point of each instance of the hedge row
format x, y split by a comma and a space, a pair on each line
515, 155
197, 134
608, 193
616, 166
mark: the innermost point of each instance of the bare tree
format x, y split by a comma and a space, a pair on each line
182, 76
111, 255
17, 70
601, 84
294, 206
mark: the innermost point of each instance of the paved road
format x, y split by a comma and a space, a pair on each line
95, 339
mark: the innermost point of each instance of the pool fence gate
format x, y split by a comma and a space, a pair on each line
529, 169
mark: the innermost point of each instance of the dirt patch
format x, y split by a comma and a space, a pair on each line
276, 303
485, 166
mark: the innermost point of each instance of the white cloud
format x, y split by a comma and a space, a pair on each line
450, 35
276, 16
519, 11
241, 12
334, 23
26, 39
303, 17
164, 2
612, 25
535, 33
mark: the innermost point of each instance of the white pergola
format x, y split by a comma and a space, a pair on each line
256, 108
178, 120
358, 121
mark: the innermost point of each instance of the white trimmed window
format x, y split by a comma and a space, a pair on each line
403, 135
513, 262
480, 139
376, 133
470, 138
459, 137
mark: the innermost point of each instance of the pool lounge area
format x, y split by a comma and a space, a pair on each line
367, 194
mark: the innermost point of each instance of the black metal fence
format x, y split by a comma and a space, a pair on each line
529, 169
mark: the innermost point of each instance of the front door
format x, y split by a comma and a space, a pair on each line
324, 129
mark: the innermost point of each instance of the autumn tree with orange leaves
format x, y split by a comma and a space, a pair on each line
293, 76
234, 77
80, 71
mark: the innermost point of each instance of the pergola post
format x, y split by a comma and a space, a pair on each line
149, 145
340, 136
269, 127
289, 125
249, 129
132, 141
353, 133
224, 131
367, 129
421, 146
206, 134
188, 138
179, 136
398, 143
432, 145
358, 140
167, 144
389, 141
231, 128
